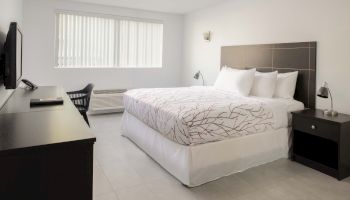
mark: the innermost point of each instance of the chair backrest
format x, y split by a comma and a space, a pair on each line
88, 90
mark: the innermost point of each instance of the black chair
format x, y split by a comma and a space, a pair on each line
81, 100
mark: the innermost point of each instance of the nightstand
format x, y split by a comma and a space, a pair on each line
322, 142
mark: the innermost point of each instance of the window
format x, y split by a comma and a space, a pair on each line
84, 41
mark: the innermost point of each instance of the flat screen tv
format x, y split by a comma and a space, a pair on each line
12, 57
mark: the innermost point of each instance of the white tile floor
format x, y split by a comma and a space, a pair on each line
123, 172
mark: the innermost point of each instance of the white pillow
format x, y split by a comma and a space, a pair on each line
286, 83
235, 80
264, 84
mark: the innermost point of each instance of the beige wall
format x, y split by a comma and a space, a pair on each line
237, 22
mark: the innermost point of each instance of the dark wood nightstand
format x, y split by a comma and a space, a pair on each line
322, 142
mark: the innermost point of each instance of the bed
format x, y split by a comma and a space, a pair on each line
200, 134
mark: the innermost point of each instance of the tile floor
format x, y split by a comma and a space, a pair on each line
123, 172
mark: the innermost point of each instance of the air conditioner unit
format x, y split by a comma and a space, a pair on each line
106, 101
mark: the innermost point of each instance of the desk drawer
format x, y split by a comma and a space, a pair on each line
314, 127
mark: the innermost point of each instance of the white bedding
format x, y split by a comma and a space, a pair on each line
197, 115
196, 165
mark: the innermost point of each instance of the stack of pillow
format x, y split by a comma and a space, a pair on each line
251, 82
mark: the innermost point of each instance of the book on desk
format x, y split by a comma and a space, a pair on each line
46, 102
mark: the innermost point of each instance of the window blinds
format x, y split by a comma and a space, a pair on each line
101, 42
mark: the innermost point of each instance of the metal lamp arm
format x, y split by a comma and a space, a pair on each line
202, 77
331, 99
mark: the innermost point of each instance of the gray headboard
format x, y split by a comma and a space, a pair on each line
284, 57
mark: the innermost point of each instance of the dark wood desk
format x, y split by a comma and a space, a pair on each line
45, 152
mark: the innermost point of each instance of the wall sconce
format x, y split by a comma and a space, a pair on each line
207, 36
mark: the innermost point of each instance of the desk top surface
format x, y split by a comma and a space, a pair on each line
24, 127
19, 102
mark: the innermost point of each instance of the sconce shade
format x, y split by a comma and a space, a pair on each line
323, 92
207, 36
196, 75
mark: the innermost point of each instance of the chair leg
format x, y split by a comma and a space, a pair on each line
86, 118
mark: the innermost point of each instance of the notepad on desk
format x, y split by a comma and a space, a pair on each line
46, 102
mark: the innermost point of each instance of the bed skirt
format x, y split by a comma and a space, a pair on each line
199, 164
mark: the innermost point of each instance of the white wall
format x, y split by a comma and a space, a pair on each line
10, 11
237, 22
39, 25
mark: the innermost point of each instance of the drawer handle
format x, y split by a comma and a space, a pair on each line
313, 127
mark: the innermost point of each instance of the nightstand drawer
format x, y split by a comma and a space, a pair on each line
314, 127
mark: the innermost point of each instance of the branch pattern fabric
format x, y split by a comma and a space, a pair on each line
196, 115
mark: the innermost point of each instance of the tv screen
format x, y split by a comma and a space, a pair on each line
13, 57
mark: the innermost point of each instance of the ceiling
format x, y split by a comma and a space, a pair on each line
168, 6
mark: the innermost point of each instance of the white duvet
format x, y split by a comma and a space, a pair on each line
196, 115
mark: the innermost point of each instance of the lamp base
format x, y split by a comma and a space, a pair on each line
331, 113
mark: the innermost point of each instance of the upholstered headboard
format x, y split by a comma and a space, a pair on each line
284, 57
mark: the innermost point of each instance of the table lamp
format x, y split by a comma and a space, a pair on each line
196, 76
324, 92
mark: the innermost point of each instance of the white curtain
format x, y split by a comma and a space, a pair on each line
141, 44
88, 41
